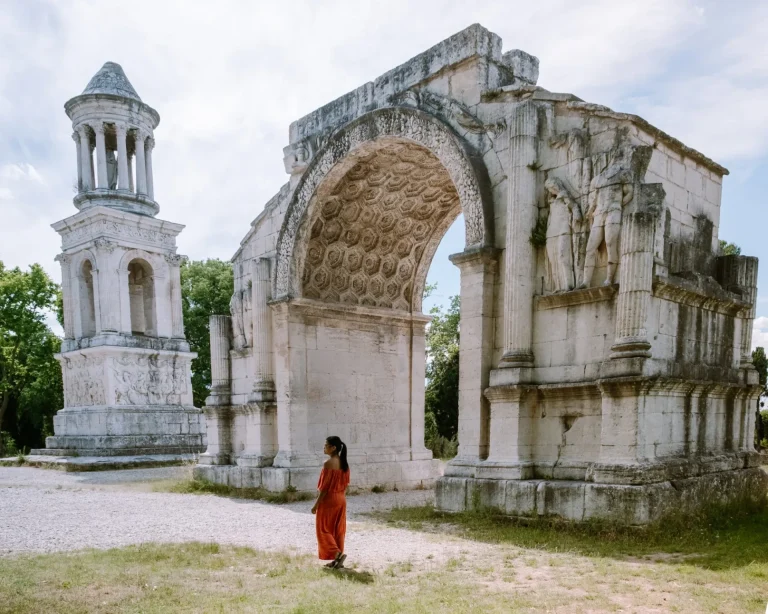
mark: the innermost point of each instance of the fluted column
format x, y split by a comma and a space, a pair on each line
150, 176
101, 155
264, 379
635, 285
66, 295
519, 259
131, 185
220, 335
749, 296
76, 139
141, 166
122, 156
218, 415
85, 160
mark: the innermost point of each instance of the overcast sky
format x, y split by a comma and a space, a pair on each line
228, 77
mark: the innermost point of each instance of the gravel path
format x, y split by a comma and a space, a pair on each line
49, 511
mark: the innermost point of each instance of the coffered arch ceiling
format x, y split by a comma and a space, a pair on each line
373, 234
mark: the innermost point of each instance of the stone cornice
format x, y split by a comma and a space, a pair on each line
692, 294
581, 296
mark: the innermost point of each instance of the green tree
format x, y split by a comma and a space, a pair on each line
206, 288
442, 390
30, 378
729, 249
760, 362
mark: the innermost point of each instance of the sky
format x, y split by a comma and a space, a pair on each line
228, 78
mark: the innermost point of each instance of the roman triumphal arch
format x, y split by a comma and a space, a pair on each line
604, 355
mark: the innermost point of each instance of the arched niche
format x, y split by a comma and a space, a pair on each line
86, 295
142, 295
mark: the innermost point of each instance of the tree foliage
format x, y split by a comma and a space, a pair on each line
206, 288
729, 249
442, 390
30, 377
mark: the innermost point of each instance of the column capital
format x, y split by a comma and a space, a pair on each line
150, 142
81, 130
63, 258
76, 136
175, 259
97, 127
121, 128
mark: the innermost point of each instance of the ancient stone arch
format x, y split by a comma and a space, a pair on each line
353, 156
605, 341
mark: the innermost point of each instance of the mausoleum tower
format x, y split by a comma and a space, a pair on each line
125, 361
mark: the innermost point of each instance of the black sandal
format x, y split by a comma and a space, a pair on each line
338, 562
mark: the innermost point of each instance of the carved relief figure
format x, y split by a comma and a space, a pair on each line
563, 225
83, 384
111, 170
148, 381
238, 321
609, 193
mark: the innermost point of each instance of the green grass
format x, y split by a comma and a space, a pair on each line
722, 538
207, 578
202, 487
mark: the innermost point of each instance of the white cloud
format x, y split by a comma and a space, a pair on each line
760, 332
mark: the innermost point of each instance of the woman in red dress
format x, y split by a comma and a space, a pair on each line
331, 505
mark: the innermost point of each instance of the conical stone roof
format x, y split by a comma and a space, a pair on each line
111, 80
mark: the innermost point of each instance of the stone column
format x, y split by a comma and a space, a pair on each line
478, 276
66, 295
86, 171
125, 302
141, 165
76, 139
519, 259
107, 298
150, 176
220, 328
177, 315
635, 285
101, 155
121, 131
131, 185
264, 379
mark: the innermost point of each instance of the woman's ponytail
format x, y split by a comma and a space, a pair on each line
341, 450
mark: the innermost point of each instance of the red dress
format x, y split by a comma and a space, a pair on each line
331, 517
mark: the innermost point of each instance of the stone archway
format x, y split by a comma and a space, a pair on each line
357, 239
362, 148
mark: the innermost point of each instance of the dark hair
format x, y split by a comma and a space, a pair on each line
341, 450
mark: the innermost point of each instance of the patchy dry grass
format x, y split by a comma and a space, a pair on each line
204, 487
206, 578
715, 563
210, 578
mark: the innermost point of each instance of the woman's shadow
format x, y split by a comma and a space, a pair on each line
344, 573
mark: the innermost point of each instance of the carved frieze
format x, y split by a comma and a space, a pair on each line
118, 230
149, 380
83, 381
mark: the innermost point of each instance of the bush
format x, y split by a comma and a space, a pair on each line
7, 445
442, 447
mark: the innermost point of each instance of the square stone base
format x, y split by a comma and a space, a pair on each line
126, 431
403, 475
579, 501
